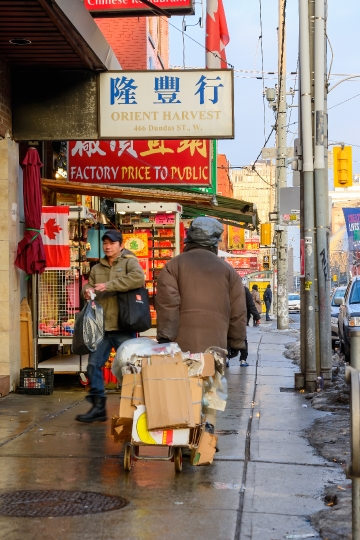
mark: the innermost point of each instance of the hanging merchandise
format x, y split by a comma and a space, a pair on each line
152, 232
59, 288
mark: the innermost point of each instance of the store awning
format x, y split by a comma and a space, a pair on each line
229, 211
56, 34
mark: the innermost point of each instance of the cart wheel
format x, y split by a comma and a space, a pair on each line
178, 459
127, 458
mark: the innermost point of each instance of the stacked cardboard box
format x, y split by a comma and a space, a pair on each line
162, 405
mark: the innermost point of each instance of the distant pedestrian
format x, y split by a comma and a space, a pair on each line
251, 310
268, 300
257, 301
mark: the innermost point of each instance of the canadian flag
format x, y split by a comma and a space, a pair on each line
55, 236
217, 35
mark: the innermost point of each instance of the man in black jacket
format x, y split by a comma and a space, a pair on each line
268, 300
251, 310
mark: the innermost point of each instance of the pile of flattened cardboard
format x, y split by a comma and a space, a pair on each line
162, 405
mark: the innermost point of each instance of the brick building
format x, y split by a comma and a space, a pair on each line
138, 42
224, 185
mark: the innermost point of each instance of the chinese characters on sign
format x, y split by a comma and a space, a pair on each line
140, 162
191, 104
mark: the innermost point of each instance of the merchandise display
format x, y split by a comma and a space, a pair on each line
152, 232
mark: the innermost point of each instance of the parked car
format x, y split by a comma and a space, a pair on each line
349, 314
338, 292
294, 303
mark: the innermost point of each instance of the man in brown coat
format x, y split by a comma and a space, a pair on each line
200, 299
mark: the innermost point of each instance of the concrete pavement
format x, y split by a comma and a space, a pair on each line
265, 481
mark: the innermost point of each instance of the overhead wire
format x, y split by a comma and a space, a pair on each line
337, 105
274, 127
262, 66
292, 102
183, 43
332, 58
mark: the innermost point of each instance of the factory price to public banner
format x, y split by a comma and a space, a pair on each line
140, 162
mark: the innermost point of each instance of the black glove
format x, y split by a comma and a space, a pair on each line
233, 352
163, 340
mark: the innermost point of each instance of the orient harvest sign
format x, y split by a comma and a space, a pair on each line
141, 162
132, 8
176, 104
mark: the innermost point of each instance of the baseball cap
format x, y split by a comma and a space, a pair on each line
114, 236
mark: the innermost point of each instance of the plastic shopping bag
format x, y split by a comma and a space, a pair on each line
129, 353
88, 328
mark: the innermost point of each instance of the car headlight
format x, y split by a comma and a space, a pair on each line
334, 320
354, 321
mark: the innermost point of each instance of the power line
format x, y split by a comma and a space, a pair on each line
262, 67
347, 144
274, 127
337, 105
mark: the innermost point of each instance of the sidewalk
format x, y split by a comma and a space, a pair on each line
264, 484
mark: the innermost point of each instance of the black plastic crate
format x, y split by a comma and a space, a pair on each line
36, 381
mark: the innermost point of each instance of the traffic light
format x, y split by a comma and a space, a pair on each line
266, 262
342, 166
265, 234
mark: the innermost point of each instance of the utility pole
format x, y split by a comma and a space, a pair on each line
282, 235
321, 195
308, 193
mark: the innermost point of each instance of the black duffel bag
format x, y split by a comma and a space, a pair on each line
134, 310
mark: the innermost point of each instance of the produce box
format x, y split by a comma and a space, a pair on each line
205, 452
132, 395
168, 398
196, 387
166, 437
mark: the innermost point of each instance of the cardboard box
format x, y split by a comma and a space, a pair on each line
204, 453
209, 365
167, 437
121, 429
131, 395
157, 359
196, 387
167, 396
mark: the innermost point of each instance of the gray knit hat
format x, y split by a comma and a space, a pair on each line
204, 231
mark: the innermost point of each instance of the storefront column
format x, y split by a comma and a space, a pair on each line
9, 274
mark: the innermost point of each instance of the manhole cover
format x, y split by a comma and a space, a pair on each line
57, 503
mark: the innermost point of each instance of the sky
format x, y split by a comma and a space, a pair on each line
244, 53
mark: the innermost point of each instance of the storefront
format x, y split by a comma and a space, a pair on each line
48, 81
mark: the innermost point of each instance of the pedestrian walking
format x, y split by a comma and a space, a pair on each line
200, 299
118, 271
251, 310
257, 301
268, 300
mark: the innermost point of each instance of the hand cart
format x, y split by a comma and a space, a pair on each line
132, 453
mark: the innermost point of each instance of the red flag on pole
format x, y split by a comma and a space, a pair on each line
55, 235
217, 35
